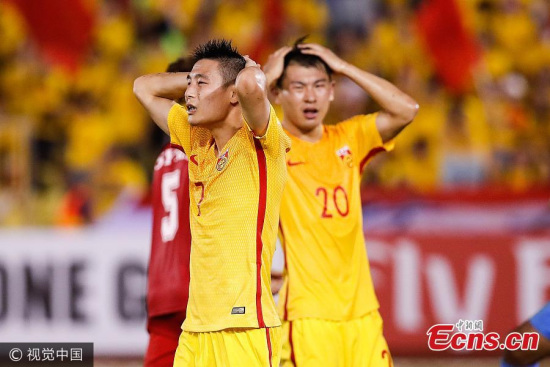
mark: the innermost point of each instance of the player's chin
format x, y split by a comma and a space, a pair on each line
308, 124
193, 120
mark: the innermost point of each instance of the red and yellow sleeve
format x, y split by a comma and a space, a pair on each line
178, 125
367, 140
274, 139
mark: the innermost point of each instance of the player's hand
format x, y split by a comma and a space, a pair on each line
334, 62
273, 68
250, 63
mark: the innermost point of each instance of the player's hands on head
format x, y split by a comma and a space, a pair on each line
250, 62
334, 62
274, 66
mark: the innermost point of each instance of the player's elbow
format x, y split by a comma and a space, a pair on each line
251, 82
142, 91
139, 87
411, 109
408, 112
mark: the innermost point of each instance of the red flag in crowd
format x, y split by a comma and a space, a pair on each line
453, 48
61, 29
273, 24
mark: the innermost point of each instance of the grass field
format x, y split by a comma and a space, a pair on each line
398, 362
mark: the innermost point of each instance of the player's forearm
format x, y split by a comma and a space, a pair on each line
157, 93
250, 84
393, 101
271, 81
271, 78
163, 85
252, 95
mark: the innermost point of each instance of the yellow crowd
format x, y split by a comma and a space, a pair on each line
83, 142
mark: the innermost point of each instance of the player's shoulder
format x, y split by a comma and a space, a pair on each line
274, 136
333, 130
357, 119
178, 110
177, 117
354, 125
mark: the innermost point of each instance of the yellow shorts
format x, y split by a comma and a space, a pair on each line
230, 348
355, 343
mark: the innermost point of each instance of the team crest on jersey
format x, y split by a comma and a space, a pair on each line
222, 161
345, 155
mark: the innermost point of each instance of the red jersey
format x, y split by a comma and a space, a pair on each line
168, 278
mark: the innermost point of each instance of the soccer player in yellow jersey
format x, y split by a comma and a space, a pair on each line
327, 302
237, 171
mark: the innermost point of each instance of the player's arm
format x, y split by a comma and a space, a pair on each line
252, 95
273, 69
521, 357
398, 108
539, 324
158, 93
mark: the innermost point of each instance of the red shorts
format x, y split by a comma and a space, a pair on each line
164, 333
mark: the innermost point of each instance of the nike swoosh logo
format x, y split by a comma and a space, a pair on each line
193, 159
294, 163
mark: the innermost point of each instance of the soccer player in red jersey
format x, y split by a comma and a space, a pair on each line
168, 274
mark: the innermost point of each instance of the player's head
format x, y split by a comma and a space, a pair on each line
181, 65
305, 89
210, 93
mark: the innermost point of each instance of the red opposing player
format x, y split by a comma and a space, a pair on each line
168, 277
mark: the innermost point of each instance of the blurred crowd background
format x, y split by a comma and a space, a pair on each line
75, 143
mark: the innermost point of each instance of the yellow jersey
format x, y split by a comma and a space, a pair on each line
234, 213
327, 274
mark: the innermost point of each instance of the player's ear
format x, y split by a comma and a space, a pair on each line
332, 84
233, 98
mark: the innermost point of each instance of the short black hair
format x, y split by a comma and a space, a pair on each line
297, 57
231, 61
181, 65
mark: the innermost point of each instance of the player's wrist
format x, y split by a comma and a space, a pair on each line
271, 78
343, 68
